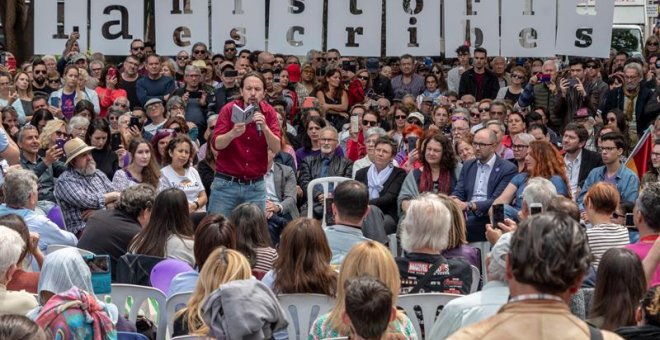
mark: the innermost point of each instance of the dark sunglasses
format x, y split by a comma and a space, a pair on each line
591, 66
39, 72
369, 123
231, 49
182, 58
53, 80
400, 117
415, 122
363, 78
199, 51
652, 44
140, 48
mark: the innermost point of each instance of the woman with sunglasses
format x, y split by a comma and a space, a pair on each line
398, 124
650, 46
615, 117
408, 158
54, 130
513, 91
107, 89
358, 88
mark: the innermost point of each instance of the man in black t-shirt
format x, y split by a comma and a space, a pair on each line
128, 79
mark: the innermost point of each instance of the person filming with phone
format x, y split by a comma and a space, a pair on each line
542, 91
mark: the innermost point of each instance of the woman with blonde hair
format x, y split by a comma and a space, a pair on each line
54, 130
367, 258
23, 104
222, 266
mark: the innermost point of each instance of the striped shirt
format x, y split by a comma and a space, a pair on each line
606, 236
266, 257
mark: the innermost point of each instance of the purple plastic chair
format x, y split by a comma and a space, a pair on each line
163, 273
55, 215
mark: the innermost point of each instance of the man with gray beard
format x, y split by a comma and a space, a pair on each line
82, 189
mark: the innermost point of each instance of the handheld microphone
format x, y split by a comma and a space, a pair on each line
259, 128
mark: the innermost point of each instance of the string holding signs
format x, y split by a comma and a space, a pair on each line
413, 27
118, 28
355, 28
240, 18
296, 26
528, 28
180, 24
481, 23
585, 30
49, 37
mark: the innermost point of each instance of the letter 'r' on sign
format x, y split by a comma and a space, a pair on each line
180, 24
356, 27
581, 32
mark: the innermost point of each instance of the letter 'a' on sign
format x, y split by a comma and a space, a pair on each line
355, 28
296, 26
413, 26
180, 25
49, 37
528, 28
116, 24
244, 17
479, 26
584, 28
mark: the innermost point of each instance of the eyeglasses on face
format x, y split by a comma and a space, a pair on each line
137, 48
369, 123
400, 117
199, 51
481, 145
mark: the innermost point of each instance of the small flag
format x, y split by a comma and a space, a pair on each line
639, 158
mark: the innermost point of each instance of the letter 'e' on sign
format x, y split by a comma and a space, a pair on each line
528, 28
180, 24
115, 24
584, 28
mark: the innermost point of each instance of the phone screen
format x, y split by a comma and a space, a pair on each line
412, 143
498, 214
195, 95
115, 141
60, 143
55, 102
629, 220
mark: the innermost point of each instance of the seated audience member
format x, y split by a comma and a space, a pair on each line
464, 149
612, 146
14, 326
646, 216
548, 258
371, 136
111, 231
11, 247
159, 143
520, 147
499, 129
438, 173
368, 308
620, 285
424, 236
142, 168
82, 189
169, 232
481, 181
652, 173
579, 160
46, 168
384, 181
78, 126
364, 259
466, 310
179, 174
98, 136
408, 156
252, 238
542, 160
281, 197
311, 140
214, 231
457, 241
20, 194
22, 279
564, 205
326, 164
223, 266
647, 317
600, 202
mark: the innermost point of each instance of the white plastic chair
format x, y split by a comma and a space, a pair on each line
324, 182
54, 247
428, 303
171, 308
476, 275
302, 310
140, 294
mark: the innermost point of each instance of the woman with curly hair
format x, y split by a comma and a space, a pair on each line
438, 174
333, 99
542, 160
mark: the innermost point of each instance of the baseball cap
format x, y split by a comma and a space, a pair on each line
294, 72
373, 65
77, 57
416, 115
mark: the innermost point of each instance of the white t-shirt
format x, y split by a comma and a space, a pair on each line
190, 183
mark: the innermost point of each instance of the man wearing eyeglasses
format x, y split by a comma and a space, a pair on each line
129, 77
230, 51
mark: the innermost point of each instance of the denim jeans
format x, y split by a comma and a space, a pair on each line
227, 195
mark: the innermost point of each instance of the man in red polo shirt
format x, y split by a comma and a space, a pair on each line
242, 158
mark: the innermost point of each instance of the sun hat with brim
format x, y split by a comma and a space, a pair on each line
74, 148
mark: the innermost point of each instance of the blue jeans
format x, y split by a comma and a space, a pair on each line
227, 195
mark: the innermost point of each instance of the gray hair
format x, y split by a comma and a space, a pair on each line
310, 54
211, 118
77, 121
19, 185
498, 123
21, 132
192, 68
11, 247
122, 97
539, 190
135, 199
524, 137
49, 57
426, 224
174, 100
329, 128
462, 111
637, 67
647, 203
375, 131
96, 62
496, 269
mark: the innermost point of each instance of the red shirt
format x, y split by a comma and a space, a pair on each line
246, 156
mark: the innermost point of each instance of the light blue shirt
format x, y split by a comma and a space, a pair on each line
469, 309
627, 183
480, 191
341, 239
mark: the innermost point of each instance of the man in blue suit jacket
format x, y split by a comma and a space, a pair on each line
481, 181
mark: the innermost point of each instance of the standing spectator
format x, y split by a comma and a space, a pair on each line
408, 82
194, 96
573, 93
154, 85
40, 79
513, 91
454, 75
542, 92
23, 104
595, 86
179, 174
107, 89
479, 81
137, 51
11, 247
252, 238
68, 96
128, 79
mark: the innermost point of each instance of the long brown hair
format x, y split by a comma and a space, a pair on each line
447, 165
303, 265
151, 172
548, 162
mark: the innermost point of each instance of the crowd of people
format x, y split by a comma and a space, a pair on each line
513, 168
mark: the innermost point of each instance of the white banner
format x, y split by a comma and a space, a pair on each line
585, 31
49, 38
180, 24
245, 17
116, 24
296, 26
355, 28
528, 28
413, 27
482, 22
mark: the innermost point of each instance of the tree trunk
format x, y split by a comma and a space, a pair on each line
17, 20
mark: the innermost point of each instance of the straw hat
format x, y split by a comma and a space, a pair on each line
74, 148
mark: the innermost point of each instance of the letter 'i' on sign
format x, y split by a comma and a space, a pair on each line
49, 35
355, 27
296, 26
180, 24
584, 28
480, 25
244, 17
528, 28
413, 26
116, 24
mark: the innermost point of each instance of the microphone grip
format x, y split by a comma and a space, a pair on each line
259, 128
